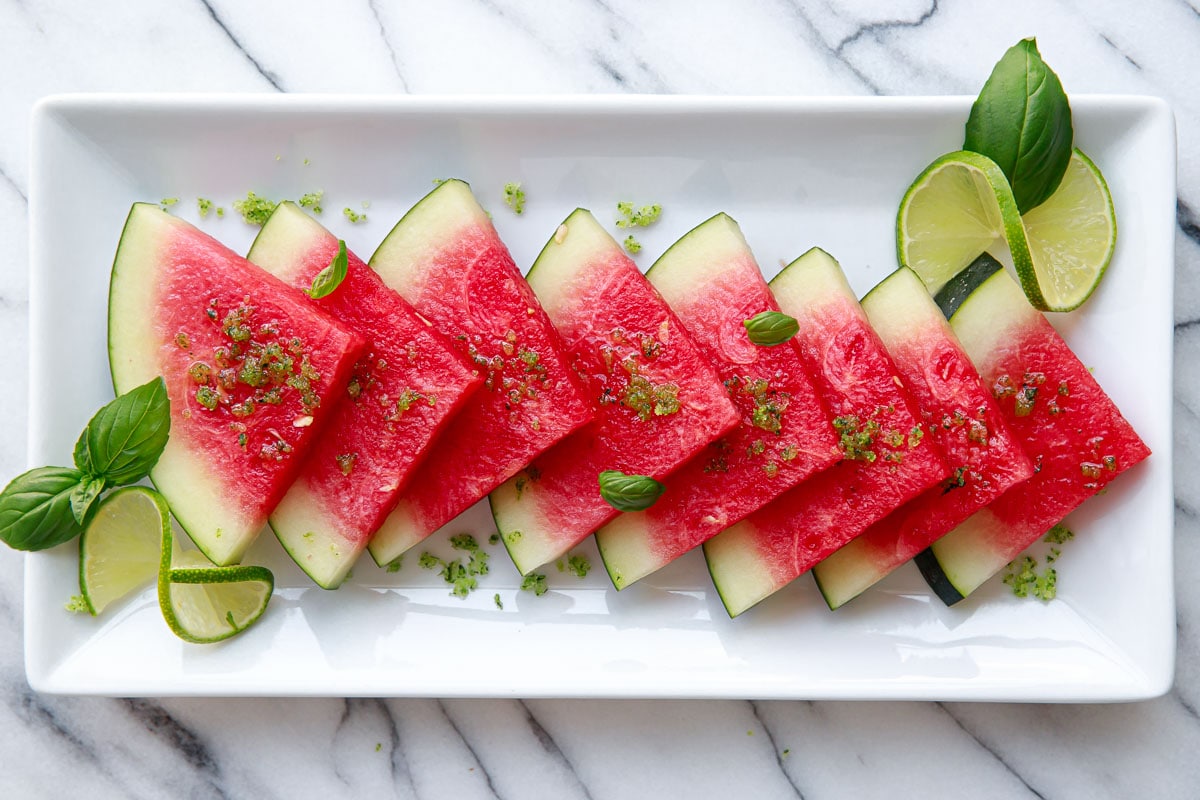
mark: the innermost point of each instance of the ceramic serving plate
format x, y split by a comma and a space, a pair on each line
795, 173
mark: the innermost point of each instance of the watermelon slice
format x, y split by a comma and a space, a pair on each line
886, 459
1076, 436
404, 389
658, 402
711, 281
957, 411
253, 371
445, 257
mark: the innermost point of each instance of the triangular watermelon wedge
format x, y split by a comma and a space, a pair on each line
405, 389
657, 400
886, 459
1076, 436
957, 411
711, 280
254, 373
446, 258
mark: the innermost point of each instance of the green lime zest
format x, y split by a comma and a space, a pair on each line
255, 210
535, 582
312, 201
514, 198
631, 217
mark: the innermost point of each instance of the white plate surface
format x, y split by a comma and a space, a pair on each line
795, 173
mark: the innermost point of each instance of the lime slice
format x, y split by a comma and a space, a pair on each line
1071, 238
959, 207
119, 548
129, 540
204, 604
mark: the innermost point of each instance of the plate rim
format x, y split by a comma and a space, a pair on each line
1142, 685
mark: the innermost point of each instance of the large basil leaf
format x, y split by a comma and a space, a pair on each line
125, 438
1022, 121
35, 508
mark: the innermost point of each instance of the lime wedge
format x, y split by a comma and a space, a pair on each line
959, 207
119, 548
1071, 238
207, 604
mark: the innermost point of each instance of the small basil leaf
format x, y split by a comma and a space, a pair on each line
35, 508
771, 328
327, 280
1022, 121
83, 497
83, 456
629, 492
126, 437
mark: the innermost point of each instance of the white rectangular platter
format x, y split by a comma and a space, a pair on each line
795, 173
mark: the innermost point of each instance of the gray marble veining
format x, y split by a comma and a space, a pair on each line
56, 746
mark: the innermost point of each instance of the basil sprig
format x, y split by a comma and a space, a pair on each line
770, 328
629, 492
1022, 121
329, 279
47, 506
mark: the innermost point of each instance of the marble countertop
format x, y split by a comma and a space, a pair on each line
199, 748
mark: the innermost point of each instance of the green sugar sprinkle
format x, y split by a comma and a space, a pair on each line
579, 565
255, 210
631, 217
514, 198
1059, 534
632, 245
352, 215
535, 583
462, 578
312, 201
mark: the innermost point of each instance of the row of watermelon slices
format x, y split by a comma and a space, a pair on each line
437, 375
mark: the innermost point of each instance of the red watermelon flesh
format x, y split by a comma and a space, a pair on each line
886, 461
657, 400
1073, 432
961, 416
712, 282
403, 391
254, 373
446, 258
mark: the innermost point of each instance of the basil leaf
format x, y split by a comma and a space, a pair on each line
126, 437
1022, 121
35, 508
629, 492
327, 280
83, 497
771, 328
